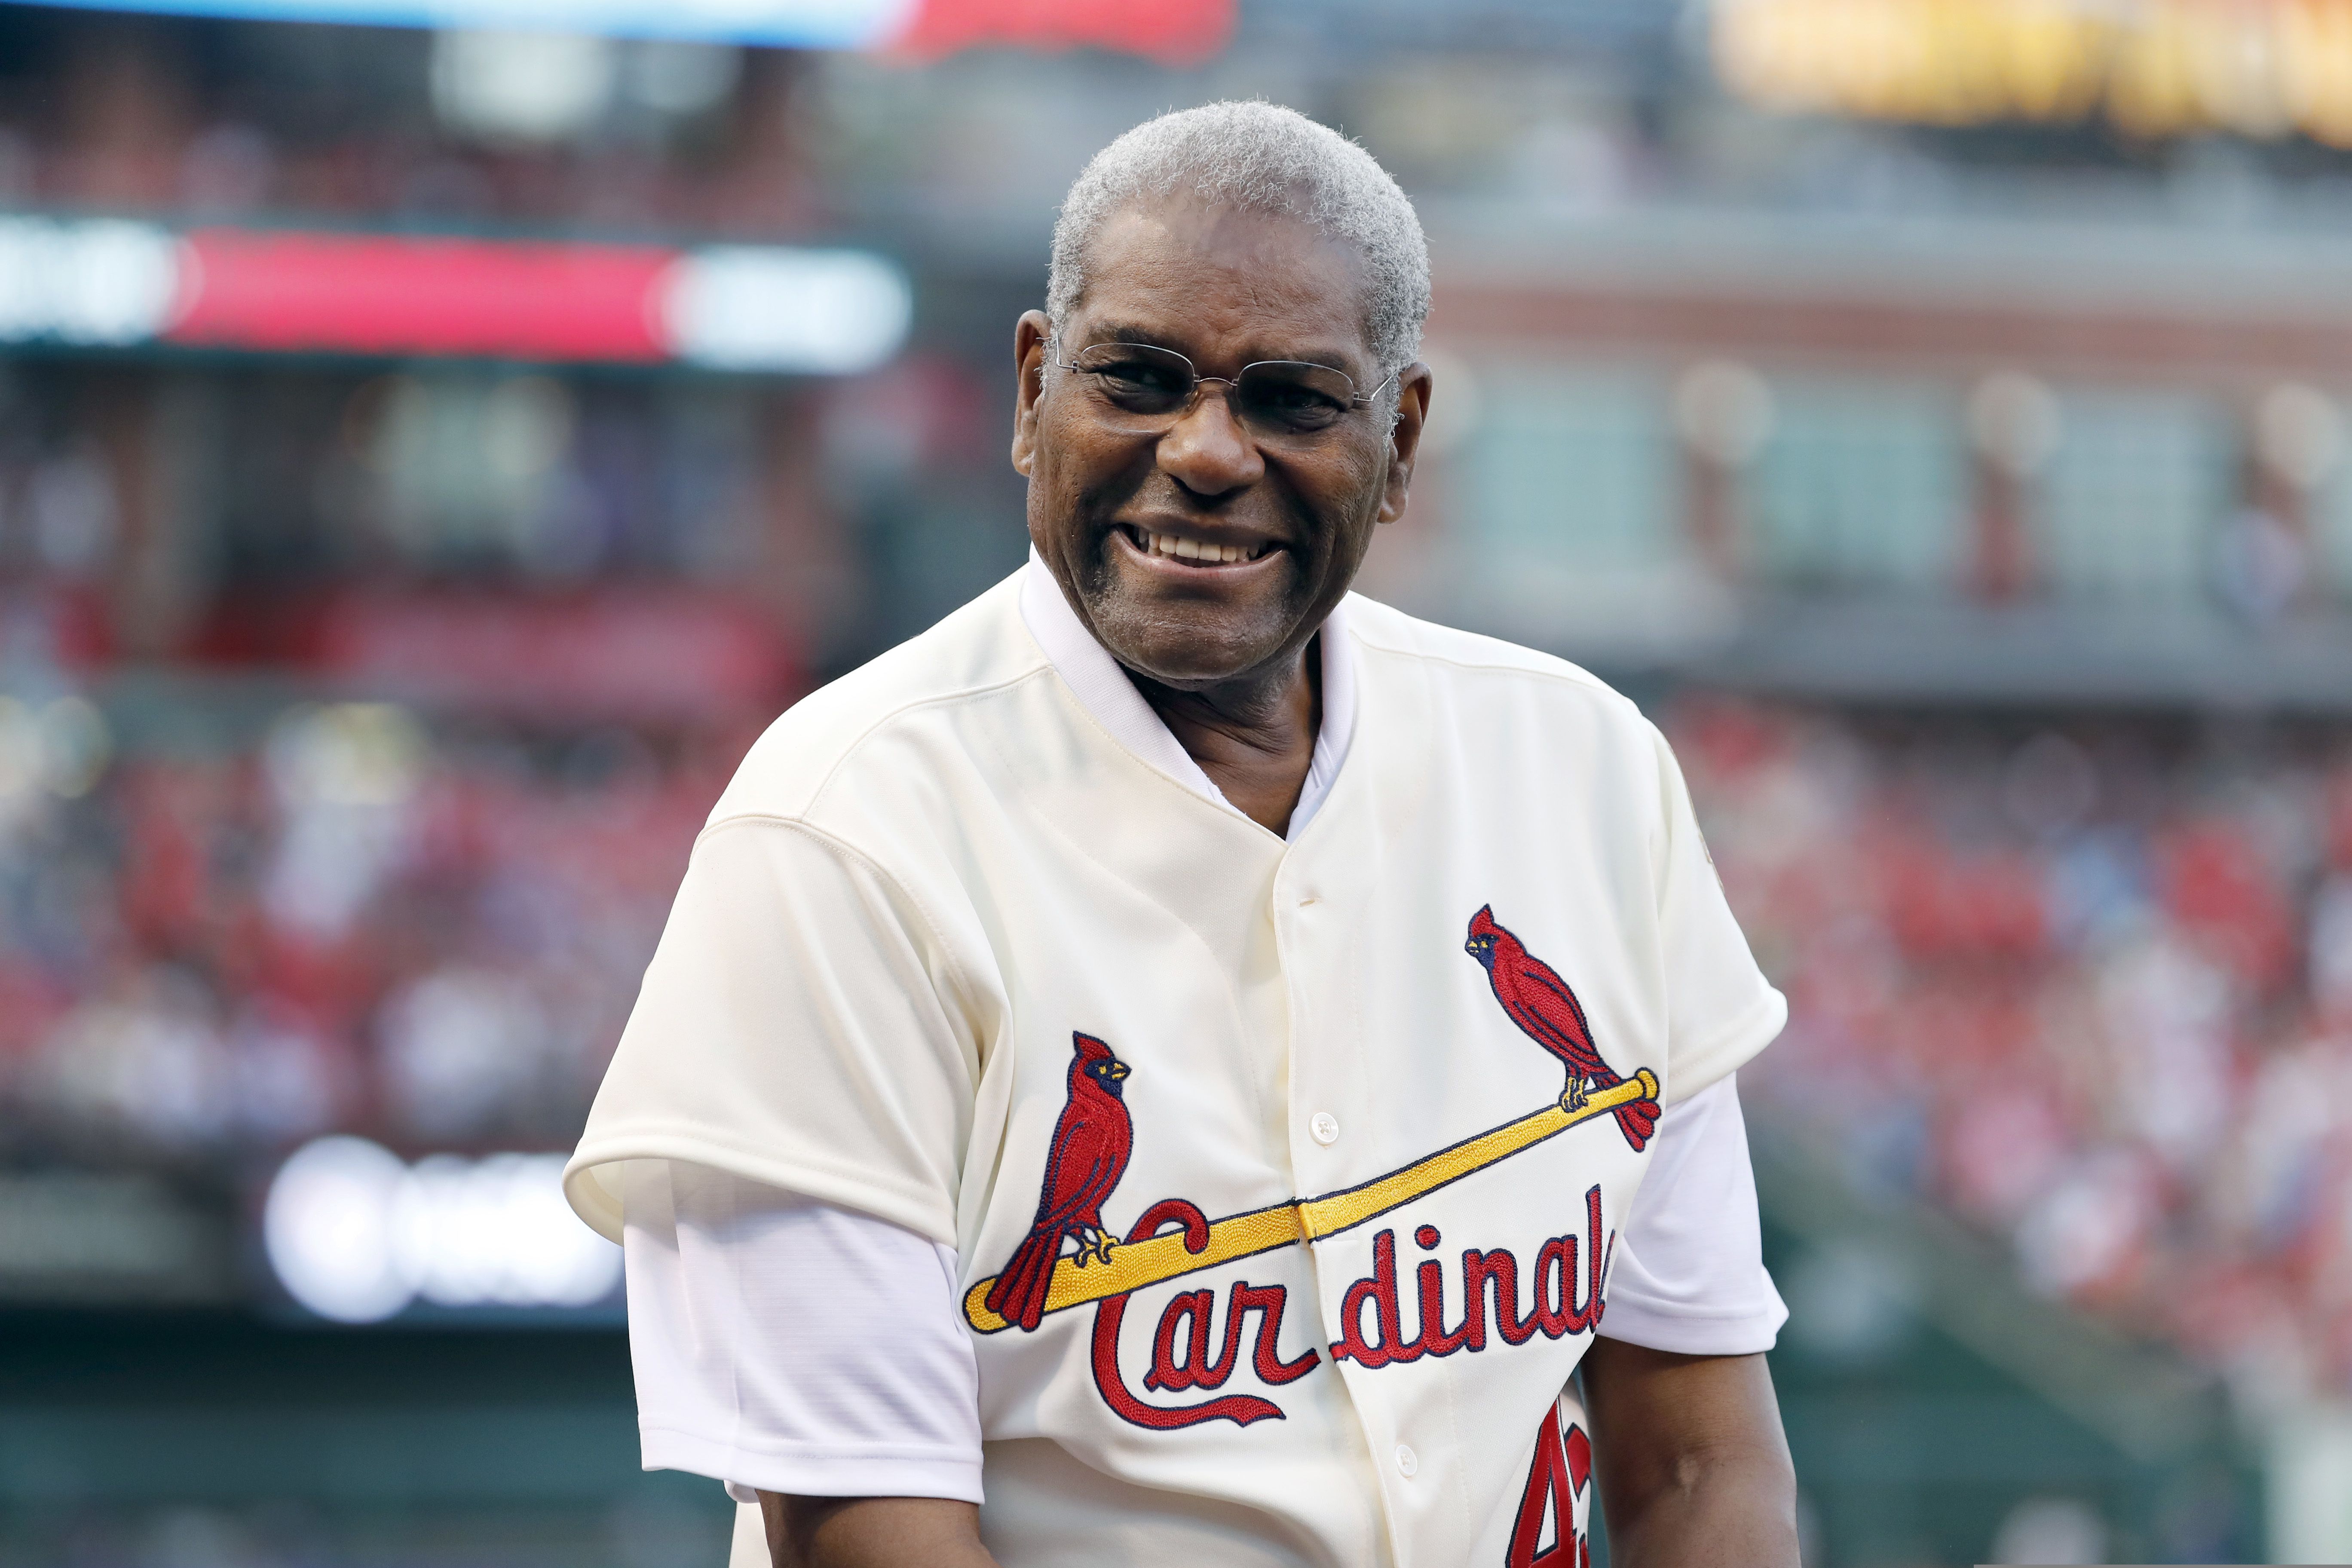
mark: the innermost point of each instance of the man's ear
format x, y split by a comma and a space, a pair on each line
1030, 336
1414, 384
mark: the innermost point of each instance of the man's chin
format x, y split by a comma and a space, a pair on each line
1191, 645
1191, 626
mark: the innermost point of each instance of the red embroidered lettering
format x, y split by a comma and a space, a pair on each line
1379, 1293
1557, 1308
1111, 1311
1555, 1285
1434, 1339
1503, 1269
1267, 1301
1196, 1369
1597, 1258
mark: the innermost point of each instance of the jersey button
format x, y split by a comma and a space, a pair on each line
1325, 1126
1408, 1462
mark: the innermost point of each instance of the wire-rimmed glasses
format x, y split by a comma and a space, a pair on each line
1276, 398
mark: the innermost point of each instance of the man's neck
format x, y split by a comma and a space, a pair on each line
1254, 738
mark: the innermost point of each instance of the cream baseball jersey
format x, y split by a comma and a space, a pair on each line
1284, 1175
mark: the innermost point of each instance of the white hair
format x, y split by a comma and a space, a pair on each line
1264, 158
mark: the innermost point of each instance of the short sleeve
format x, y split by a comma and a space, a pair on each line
800, 1026
1720, 1010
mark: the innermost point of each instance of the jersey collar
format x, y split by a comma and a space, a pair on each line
1103, 689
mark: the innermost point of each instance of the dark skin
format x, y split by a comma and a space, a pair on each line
1219, 651
1693, 1468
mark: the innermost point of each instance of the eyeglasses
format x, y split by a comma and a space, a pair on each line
1275, 398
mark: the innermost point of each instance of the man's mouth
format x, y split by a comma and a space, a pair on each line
1194, 551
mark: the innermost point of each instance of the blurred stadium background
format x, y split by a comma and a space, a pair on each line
429, 451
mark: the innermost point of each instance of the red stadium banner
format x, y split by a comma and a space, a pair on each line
1174, 32
368, 294
112, 283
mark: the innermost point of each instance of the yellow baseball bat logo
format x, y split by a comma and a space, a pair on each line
1155, 1260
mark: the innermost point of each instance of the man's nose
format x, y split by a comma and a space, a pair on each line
1206, 450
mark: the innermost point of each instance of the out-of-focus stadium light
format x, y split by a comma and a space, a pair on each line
2015, 421
741, 308
356, 1235
115, 284
531, 86
102, 283
1722, 410
2159, 68
553, 87
62, 747
680, 76
327, 1226
2299, 435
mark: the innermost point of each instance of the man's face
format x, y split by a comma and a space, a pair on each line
1225, 288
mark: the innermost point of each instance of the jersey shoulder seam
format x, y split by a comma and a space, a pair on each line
850, 748
837, 845
1550, 668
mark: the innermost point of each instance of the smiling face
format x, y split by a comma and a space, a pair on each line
1204, 551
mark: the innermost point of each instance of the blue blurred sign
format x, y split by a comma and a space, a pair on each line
793, 23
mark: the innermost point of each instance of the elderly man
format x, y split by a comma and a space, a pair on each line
1178, 1064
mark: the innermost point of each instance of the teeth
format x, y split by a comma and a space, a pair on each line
1196, 550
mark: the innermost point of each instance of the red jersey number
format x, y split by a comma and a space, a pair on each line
1556, 1478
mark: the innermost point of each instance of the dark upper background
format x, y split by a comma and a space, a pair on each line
1932, 412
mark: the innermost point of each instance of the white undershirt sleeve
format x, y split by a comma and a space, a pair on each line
1688, 1274
784, 1344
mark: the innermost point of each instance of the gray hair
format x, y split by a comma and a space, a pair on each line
1265, 158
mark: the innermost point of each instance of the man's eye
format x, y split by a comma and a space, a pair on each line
1296, 404
1290, 397
1139, 376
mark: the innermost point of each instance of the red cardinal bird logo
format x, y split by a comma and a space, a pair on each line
1539, 1002
1091, 1143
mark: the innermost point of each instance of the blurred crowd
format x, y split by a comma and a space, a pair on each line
2088, 985
347, 772
430, 938
401, 126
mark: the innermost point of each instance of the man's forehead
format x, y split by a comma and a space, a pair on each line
1190, 275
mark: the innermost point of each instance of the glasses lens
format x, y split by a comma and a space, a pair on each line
1137, 377
1289, 397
